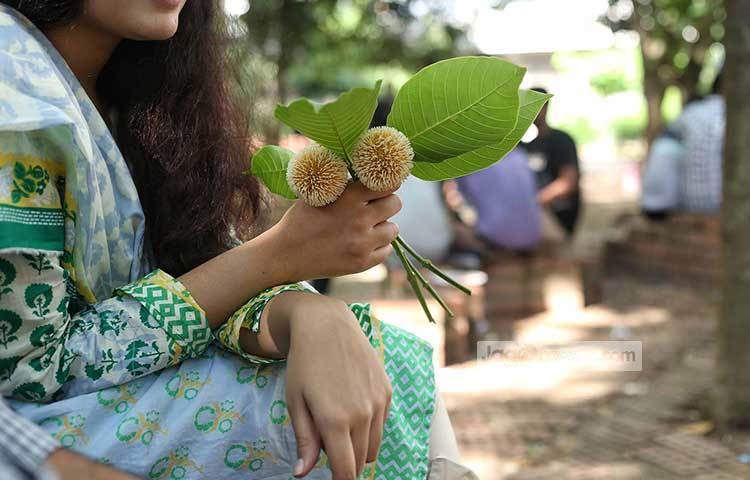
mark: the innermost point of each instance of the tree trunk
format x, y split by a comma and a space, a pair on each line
282, 62
733, 402
653, 86
654, 90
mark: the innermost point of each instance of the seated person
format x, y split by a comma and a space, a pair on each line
660, 193
504, 198
553, 156
701, 128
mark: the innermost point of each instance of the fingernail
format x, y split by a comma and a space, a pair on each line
299, 466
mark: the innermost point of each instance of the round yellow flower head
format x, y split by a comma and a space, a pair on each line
382, 158
317, 176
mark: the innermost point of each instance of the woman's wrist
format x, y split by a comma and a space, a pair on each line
274, 332
226, 282
286, 315
288, 260
270, 250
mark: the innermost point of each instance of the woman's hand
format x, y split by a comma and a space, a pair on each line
337, 390
348, 236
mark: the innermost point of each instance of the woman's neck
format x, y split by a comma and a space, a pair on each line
86, 50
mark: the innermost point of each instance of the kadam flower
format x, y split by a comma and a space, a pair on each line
317, 175
382, 158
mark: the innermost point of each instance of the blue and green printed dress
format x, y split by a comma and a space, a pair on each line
115, 359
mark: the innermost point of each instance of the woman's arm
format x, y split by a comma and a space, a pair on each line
154, 322
348, 236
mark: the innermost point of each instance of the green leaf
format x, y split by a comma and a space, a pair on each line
270, 164
457, 105
336, 125
531, 104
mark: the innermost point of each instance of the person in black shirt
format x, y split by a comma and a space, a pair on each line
554, 159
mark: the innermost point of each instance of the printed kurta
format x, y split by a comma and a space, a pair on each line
115, 359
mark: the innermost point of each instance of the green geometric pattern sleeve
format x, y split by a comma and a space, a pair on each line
171, 306
248, 316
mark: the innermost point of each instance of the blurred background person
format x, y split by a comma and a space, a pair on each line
503, 197
660, 191
701, 127
554, 158
683, 168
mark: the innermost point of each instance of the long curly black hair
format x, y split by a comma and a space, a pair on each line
182, 127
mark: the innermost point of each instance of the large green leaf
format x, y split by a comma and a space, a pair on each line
336, 125
457, 105
531, 104
270, 164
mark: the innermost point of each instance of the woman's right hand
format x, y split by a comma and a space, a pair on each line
348, 236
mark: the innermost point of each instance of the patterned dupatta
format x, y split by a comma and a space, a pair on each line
104, 223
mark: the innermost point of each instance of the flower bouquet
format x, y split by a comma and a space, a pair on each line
452, 118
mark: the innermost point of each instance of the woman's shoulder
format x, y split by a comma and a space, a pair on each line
32, 93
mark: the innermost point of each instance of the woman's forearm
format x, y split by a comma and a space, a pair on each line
226, 282
308, 242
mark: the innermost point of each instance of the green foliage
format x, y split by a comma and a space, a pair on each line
629, 128
676, 36
530, 104
336, 125
332, 45
671, 104
609, 83
456, 106
581, 129
270, 165
460, 115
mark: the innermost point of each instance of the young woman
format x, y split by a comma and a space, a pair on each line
141, 324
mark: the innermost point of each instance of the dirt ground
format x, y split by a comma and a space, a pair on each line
551, 421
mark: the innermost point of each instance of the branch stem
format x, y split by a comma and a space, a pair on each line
430, 266
410, 275
432, 291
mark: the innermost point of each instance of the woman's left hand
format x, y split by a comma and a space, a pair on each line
337, 390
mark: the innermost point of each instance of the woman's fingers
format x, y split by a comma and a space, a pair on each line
338, 447
380, 254
361, 444
376, 435
384, 208
384, 233
360, 193
306, 433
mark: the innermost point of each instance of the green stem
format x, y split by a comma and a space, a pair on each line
430, 266
432, 291
409, 268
